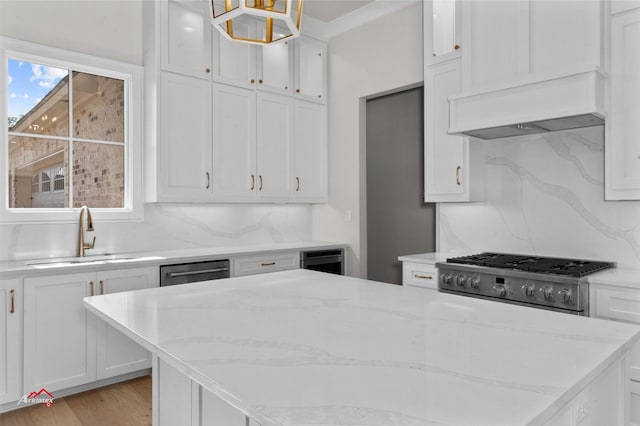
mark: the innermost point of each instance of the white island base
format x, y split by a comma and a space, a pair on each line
306, 348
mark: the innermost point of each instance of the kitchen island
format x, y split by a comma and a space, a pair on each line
307, 348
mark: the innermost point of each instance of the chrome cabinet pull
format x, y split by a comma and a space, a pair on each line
423, 277
101, 287
208, 180
91, 286
253, 182
12, 309
268, 263
260, 184
458, 175
297, 184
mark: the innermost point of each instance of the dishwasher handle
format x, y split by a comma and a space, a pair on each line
203, 271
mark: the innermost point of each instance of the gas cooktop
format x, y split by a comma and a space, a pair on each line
538, 264
552, 283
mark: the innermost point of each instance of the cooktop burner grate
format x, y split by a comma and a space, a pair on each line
537, 264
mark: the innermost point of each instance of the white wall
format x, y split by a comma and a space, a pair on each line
113, 29
377, 57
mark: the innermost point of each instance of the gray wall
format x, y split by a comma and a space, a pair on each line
398, 220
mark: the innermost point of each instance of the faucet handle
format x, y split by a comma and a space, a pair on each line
90, 246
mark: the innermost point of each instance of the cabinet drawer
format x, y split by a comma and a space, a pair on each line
268, 262
617, 303
420, 275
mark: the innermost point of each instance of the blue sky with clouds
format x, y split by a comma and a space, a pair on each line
28, 84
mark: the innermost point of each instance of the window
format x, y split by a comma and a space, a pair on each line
71, 135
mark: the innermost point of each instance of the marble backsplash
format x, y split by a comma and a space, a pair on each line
165, 226
545, 195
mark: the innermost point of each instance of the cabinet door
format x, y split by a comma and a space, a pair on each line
634, 403
185, 138
10, 340
495, 36
116, 353
233, 62
311, 69
275, 68
622, 145
442, 42
445, 155
59, 333
565, 36
234, 143
310, 152
274, 146
215, 411
186, 32
174, 396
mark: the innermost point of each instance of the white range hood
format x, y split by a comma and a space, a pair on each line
530, 106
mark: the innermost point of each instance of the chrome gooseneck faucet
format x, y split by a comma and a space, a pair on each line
81, 244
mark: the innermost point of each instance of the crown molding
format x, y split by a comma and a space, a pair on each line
372, 11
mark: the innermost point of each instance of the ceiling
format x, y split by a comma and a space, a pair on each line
330, 10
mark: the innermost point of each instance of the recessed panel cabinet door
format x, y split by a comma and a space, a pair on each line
116, 353
445, 155
310, 147
235, 62
622, 143
10, 341
186, 29
234, 143
185, 138
59, 333
274, 146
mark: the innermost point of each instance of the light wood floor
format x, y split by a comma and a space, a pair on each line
127, 403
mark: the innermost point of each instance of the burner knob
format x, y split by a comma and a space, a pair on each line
446, 278
566, 296
528, 290
500, 290
460, 280
474, 282
546, 293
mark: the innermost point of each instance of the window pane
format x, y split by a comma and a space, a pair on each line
58, 180
30, 162
98, 107
38, 99
98, 175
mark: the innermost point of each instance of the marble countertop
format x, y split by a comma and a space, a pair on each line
429, 258
160, 257
302, 347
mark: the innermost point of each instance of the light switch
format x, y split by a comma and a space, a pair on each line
347, 215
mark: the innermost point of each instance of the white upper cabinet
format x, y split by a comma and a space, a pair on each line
310, 152
274, 146
186, 48
311, 69
268, 68
185, 130
442, 37
506, 41
233, 62
446, 156
234, 143
622, 144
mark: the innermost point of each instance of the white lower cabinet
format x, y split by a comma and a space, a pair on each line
183, 402
621, 304
420, 275
10, 341
116, 353
60, 335
266, 262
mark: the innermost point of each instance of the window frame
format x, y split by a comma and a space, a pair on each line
133, 142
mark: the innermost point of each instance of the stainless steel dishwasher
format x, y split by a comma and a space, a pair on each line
195, 271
